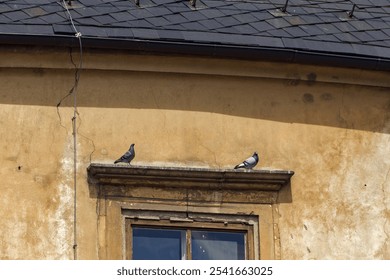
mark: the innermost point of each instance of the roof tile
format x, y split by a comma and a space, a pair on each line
246, 6
362, 36
193, 16
278, 22
377, 35
262, 15
261, 26
145, 33
194, 26
175, 18
328, 28
196, 36
385, 44
211, 13
36, 11
215, 3
211, 24
347, 37
309, 25
170, 34
179, 7
122, 16
378, 24
245, 29
34, 2
91, 2
26, 29
105, 19
387, 31
311, 30
158, 21
53, 18
296, 31
119, 32
227, 21
51, 8
344, 26
295, 20
63, 29
16, 15
34, 22
89, 12
86, 21
3, 19
325, 38
158, 10
279, 33
230, 10
92, 31
264, 6
138, 24
140, 13
361, 25
245, 18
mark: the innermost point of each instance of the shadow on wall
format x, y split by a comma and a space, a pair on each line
289, 101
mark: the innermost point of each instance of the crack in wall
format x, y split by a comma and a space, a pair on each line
73, 92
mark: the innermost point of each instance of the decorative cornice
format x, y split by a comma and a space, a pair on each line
180, 177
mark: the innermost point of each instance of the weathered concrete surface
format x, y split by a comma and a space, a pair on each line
331, 126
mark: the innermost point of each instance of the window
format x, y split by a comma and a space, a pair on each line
150, 243
174, 236
187, 213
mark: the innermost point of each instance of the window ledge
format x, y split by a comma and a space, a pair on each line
180, 177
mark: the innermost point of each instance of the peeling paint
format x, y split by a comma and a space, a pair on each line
331, 126
60, 224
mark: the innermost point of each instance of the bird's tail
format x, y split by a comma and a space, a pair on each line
115, 162
238, 166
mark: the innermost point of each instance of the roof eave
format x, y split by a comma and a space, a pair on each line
207, 49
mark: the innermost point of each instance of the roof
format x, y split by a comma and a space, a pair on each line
354, 32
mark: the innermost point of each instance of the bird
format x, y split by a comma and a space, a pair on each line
249, 163
128, 156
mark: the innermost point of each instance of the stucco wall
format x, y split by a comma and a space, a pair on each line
331, 126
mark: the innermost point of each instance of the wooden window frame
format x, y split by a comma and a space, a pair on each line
193, 221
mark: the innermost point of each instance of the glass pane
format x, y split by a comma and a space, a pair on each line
218, 245
158, 244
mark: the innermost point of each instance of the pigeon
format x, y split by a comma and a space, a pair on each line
249, 163
128, 156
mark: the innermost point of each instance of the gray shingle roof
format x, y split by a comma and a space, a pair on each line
315, 26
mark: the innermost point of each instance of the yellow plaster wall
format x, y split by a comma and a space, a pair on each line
331, 126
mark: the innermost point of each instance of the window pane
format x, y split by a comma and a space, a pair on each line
158, 244
218, 245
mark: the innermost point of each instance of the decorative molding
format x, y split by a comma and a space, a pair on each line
239, 186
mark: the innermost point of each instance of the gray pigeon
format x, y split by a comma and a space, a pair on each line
249, 163
128, 156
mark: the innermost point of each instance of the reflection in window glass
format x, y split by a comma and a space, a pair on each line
218, 245
158, 244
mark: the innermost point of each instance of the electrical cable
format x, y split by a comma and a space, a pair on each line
73, 91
